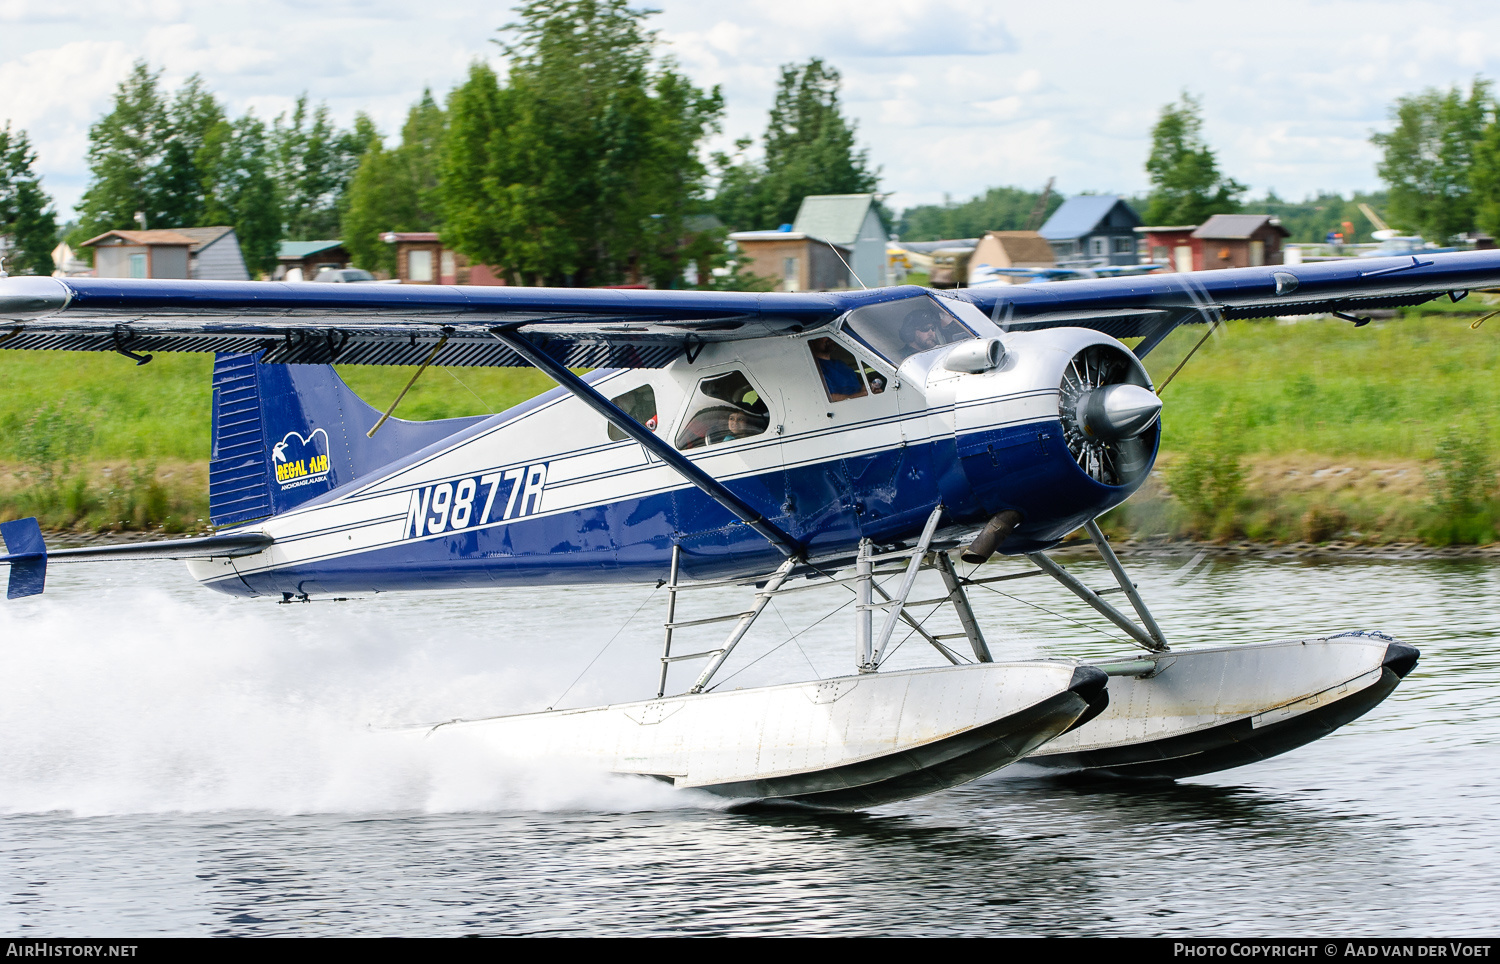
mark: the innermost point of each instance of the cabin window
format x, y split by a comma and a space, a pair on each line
1124, 245
1097, 247
896, 330
844, 376
724, 408
138, 266
639, 404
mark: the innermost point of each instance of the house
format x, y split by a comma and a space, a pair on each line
850, 222
1223, 241
67, 264
215, 254
301, 260
1098, 228
141, 254
1238, 241
421, 259
795, 261
1010, 249
210, 254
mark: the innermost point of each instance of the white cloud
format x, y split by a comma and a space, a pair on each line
951, 96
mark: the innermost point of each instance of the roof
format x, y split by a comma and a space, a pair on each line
833, 217
927, 247
1230, 227
143, 237
783, 236
1164, 228
297, 250
203, 237
1023, 247
1080, 215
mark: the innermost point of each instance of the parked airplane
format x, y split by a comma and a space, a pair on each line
776, 441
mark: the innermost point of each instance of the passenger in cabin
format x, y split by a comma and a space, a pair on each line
743, 424
840, 377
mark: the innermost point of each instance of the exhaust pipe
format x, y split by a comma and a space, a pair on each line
989, 539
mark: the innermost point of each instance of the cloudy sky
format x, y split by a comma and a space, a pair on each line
951, 96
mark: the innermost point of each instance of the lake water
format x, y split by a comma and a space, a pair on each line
174, 762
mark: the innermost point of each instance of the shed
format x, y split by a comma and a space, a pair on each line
301, 260
1011, 249
1239, 241
795, 261
215, 254
141, 254
850, 222
1099, 228
1171, 244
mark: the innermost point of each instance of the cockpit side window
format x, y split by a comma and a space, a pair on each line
639, 404
724, 408
844, 376
896, 330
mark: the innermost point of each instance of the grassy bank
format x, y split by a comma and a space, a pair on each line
1274, 432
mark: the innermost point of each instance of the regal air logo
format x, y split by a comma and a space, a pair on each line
301, 460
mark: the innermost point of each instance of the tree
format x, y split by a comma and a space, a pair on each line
313, 164
997, 209
182, 162
1428, 160
234, 165
395, 190
583, 167
809, 149
1186, 184
27, 222
1484, 178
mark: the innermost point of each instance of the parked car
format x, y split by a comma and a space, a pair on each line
344, 275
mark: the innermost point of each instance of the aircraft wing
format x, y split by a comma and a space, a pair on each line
1148, 305
614, 328
400, 324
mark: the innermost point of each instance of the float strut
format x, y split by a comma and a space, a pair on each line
1088, 595
1113, 561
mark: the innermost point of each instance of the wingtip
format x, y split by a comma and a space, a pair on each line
26, 298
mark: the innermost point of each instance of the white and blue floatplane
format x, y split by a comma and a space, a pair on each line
779, 442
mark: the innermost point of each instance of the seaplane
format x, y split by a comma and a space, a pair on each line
764, 444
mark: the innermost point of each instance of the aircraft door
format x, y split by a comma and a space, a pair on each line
844, 444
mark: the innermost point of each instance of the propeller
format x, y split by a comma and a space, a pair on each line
1110, 419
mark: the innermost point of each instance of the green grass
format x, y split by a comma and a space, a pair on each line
1390, 388
160, 411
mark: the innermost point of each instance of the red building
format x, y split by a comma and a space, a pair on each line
1223, 241
421, 259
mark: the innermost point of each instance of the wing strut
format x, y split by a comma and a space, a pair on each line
684, 466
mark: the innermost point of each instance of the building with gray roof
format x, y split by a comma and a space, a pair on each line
1097, 228
849, 221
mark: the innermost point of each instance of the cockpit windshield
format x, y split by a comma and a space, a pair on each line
900, 329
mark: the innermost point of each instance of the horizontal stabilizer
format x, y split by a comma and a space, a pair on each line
225, 546
28, 555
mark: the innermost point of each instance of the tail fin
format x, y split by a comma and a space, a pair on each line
284, 434
27, 555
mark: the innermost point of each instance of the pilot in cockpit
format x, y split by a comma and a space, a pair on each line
920, 332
